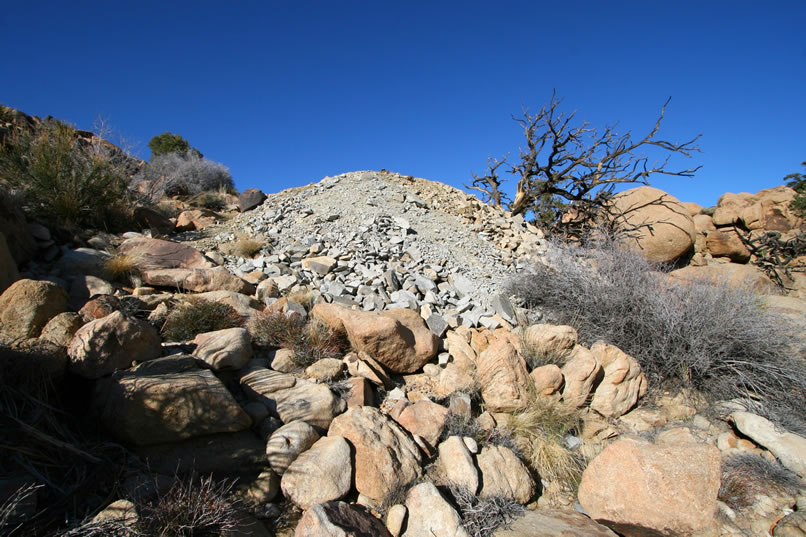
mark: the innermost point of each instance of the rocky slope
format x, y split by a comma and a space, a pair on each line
405, 431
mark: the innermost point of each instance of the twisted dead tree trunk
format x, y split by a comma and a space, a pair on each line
567, 174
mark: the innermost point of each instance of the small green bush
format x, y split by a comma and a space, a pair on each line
714, 337
167, 142
797, 181
194, 317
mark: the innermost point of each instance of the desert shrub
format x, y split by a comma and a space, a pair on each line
122, 268
168, 142
746, 475
193, 317
714, 337
481, 517
458, 425
209, 200
310, 341
539, 432
188, 173
62, 179
195, 506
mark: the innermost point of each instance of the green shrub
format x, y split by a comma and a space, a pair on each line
61, 178
168, 142
210, 200
716, 338
797, 181
194, 317
310, 341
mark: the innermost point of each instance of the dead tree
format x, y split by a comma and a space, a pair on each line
572, 171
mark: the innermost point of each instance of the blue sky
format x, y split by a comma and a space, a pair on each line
287, 92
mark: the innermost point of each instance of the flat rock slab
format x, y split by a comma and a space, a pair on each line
161, 254
339, 519
166, 401
553, 523
197, 280
293, 399
640, 489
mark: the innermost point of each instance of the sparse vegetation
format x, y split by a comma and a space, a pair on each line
539, 432
310, 341
716, 338
193, 317
481, 517
62, 178
744, 476
195, 506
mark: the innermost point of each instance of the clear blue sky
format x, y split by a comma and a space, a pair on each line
287, 92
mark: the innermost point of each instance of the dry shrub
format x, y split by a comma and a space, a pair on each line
536, 357
245, 247
481, 517
195, 506
310, 341
458, 425
539, 431
748, 475
123, 268
716, 338
194, 316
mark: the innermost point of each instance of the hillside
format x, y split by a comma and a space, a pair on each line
377, 354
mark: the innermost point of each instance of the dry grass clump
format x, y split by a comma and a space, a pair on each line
481, 517
194, 316
123, 268
195, 506
210, 200
716, 338
245, 247
748, 475
536, 357
310, 341
539, 432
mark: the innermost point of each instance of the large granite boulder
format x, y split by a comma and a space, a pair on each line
660, 226
26, 307
639, 489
